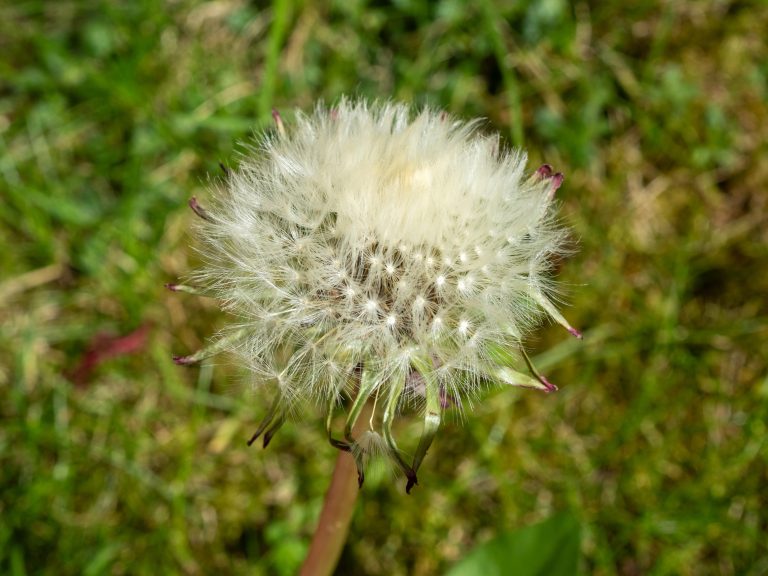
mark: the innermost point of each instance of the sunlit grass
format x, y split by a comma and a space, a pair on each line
113, 114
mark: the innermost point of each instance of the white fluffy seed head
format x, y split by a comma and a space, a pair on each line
369, 229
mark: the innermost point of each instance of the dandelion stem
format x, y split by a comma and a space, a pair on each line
338, 506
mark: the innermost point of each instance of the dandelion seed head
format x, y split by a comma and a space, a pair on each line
372, 237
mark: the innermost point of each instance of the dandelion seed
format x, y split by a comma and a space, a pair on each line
370, 251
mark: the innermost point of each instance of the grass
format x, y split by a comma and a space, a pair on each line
113, 460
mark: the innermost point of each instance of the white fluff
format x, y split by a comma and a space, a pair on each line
368, 234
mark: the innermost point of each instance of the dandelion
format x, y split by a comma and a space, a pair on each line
374, 252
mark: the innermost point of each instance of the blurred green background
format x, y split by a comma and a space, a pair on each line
112, 114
